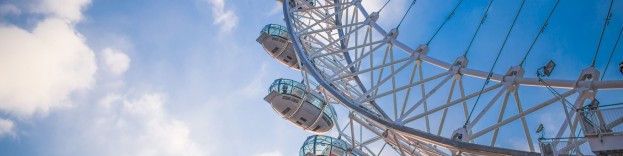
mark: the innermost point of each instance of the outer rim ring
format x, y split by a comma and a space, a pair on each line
414, 133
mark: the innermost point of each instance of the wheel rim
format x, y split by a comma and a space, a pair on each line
341, 67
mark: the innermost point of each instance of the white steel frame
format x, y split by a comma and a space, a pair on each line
325, 37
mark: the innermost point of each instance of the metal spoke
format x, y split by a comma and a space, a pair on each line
451, 103
333, 46
515, 117
523, 121
431, 92
495, 132
445, 110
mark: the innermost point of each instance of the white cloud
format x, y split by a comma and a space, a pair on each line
226, 18
8, 9
65, 9
132, 125
273, 153
115, 61
6, 128
40, 69
392, 13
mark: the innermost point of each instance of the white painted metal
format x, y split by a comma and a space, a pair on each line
325, 37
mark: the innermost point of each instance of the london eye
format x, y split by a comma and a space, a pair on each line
372, 90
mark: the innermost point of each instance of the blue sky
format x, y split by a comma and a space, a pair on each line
186, 77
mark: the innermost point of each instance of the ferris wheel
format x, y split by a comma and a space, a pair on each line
396, 96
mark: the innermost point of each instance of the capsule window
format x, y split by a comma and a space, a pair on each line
286, 61
327, 120
285, 111
275, 50
317, 127
303, 119
299, 123
289, 57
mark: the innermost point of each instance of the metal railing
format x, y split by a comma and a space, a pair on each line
602, 120
555, 146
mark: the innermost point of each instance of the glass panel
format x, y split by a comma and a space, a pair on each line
327, 111
295, 88
276, 30
324, 145
301, 3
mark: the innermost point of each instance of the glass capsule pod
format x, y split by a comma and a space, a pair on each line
275, 40
300, 5
320, 145
307, 110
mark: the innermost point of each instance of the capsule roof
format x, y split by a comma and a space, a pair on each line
302, 4
323, 145
275, 85
276, 30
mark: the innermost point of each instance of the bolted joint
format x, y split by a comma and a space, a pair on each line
460, 134
372, 17
385, 133
589, 74
460, 62
399, 122
457, 76
422, 49
393, 33
418, 61
516, 71
511, 75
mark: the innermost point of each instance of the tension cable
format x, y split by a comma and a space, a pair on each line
495, 62
539, 34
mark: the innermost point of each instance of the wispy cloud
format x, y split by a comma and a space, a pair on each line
225, 18
8, 9
6, 128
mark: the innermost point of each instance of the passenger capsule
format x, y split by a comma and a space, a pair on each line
275, 40
307, 110
300, 5
319, 145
